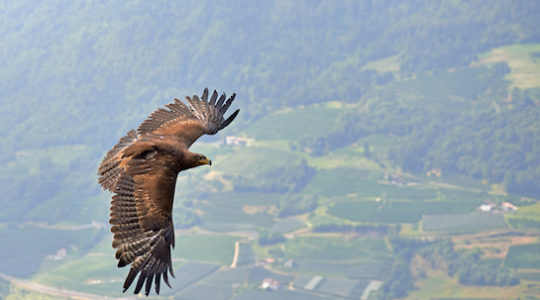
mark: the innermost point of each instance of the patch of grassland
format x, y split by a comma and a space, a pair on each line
529, 211
523, 59
343, 181
395, 211
324, 219
463, 222
324, 248
387, 64
368, 184
448, 87
437, 285
288, 225
359, 270
21, 293
523, 256
379, 141
526, 217
79, 209
410, 229
220, 213
206, 291
96, 272
522, 223
249, 160
347, 157
61, 155
292, 124
530, 276
208, 248
23, 249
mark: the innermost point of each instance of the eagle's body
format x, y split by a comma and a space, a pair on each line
141, 169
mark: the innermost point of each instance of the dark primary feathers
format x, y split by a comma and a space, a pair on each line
141, 170
201, 117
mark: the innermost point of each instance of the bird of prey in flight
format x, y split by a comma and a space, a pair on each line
141, 171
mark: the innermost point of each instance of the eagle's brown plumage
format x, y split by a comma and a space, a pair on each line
141, 171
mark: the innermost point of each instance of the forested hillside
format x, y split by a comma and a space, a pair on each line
379, 126
93, 65
83, 73
464, 121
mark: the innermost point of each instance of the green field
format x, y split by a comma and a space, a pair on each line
216, 213
387, 64
395, 211
292, 124
95, 272
206, 291
523, 257
228, 276
531, 211
359, 270
463, 83
532, 276
365, 183
188, 275
324, 248
343, 181
210, 248
249, 161
288, 225
280, 294
24, 249
522, 59
322, 218
523, 223
27, 161
463, 222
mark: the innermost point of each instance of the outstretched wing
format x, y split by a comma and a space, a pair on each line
189, 122
141, 215
110, 169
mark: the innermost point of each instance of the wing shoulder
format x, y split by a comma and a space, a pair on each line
110, 169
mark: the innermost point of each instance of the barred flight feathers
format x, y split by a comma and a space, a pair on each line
141, 171
202, 116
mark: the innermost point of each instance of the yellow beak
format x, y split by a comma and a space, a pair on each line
205, 161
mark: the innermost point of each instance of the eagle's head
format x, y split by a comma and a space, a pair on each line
191, 160
203, 160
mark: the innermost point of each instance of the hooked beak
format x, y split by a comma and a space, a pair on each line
205, 161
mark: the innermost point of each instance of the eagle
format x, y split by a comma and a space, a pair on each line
141, 171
